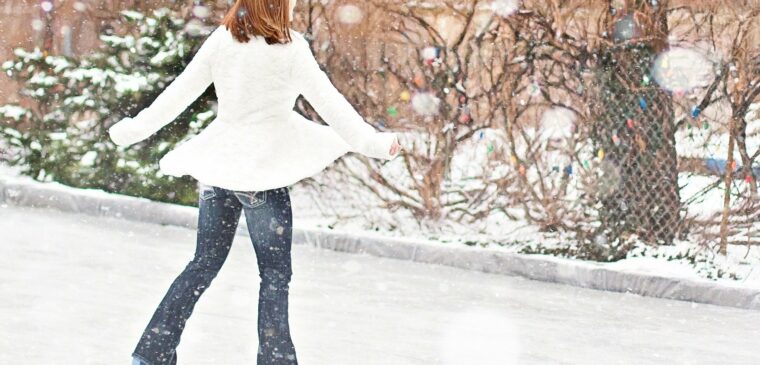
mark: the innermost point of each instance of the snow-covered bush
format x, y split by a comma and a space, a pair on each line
63, 136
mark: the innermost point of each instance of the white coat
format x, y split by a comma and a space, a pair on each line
256, 142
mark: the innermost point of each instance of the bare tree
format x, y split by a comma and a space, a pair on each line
499, 85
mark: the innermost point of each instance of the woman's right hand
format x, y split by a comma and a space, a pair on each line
123, 132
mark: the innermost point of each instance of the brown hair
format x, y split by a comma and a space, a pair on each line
267, 18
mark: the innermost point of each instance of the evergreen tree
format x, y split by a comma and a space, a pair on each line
64, 138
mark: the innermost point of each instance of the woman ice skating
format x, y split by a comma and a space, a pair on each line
245, 161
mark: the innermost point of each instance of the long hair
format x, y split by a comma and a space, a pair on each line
267, 18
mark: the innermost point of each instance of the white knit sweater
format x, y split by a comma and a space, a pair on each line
257, 142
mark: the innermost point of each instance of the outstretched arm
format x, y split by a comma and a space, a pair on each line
180, 93
333, 107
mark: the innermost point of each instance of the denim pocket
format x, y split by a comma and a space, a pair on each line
208, 193
251, 199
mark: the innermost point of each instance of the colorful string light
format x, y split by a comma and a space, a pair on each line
616, 140
695, 111
642, 103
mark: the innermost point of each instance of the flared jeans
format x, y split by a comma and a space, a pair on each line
269, 218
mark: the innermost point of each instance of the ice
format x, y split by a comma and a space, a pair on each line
91, 284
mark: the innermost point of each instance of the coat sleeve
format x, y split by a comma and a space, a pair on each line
181, 92
333, 107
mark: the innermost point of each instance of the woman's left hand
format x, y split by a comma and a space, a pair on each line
395, 147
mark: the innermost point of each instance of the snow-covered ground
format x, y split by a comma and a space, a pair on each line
711, 142
741, 266
684, 259
79, 289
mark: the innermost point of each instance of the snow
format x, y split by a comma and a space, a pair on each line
12, 172
129, 83
88, 159
58, 63
472, 162
95, 75
505, 8
348, 210
85, 99
12, 132
117, 41
134, 15
13, 111
41, 79
495, 229
700, 142
557, 122
122, 83
163, 56
655, 266
425, 103
144, 42
682, 69
205, 116
350, 14
58, 136
91, 284
35, 54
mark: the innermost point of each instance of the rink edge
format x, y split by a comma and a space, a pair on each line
30, 193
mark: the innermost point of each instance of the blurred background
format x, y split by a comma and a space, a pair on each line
601, 130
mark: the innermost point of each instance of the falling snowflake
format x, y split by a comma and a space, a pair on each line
425, 103
505, 8
682, 69
350, 14
429, 53
201, 11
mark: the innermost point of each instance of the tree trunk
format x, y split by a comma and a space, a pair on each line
636, 131
728, 179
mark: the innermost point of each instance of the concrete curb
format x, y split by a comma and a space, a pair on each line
592, 275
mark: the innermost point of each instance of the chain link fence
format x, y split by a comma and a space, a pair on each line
634, 136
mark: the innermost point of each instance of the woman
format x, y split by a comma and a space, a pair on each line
246, 159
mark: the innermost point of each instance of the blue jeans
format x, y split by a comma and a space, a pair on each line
270, 225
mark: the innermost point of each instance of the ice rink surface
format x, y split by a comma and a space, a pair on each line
79, 289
